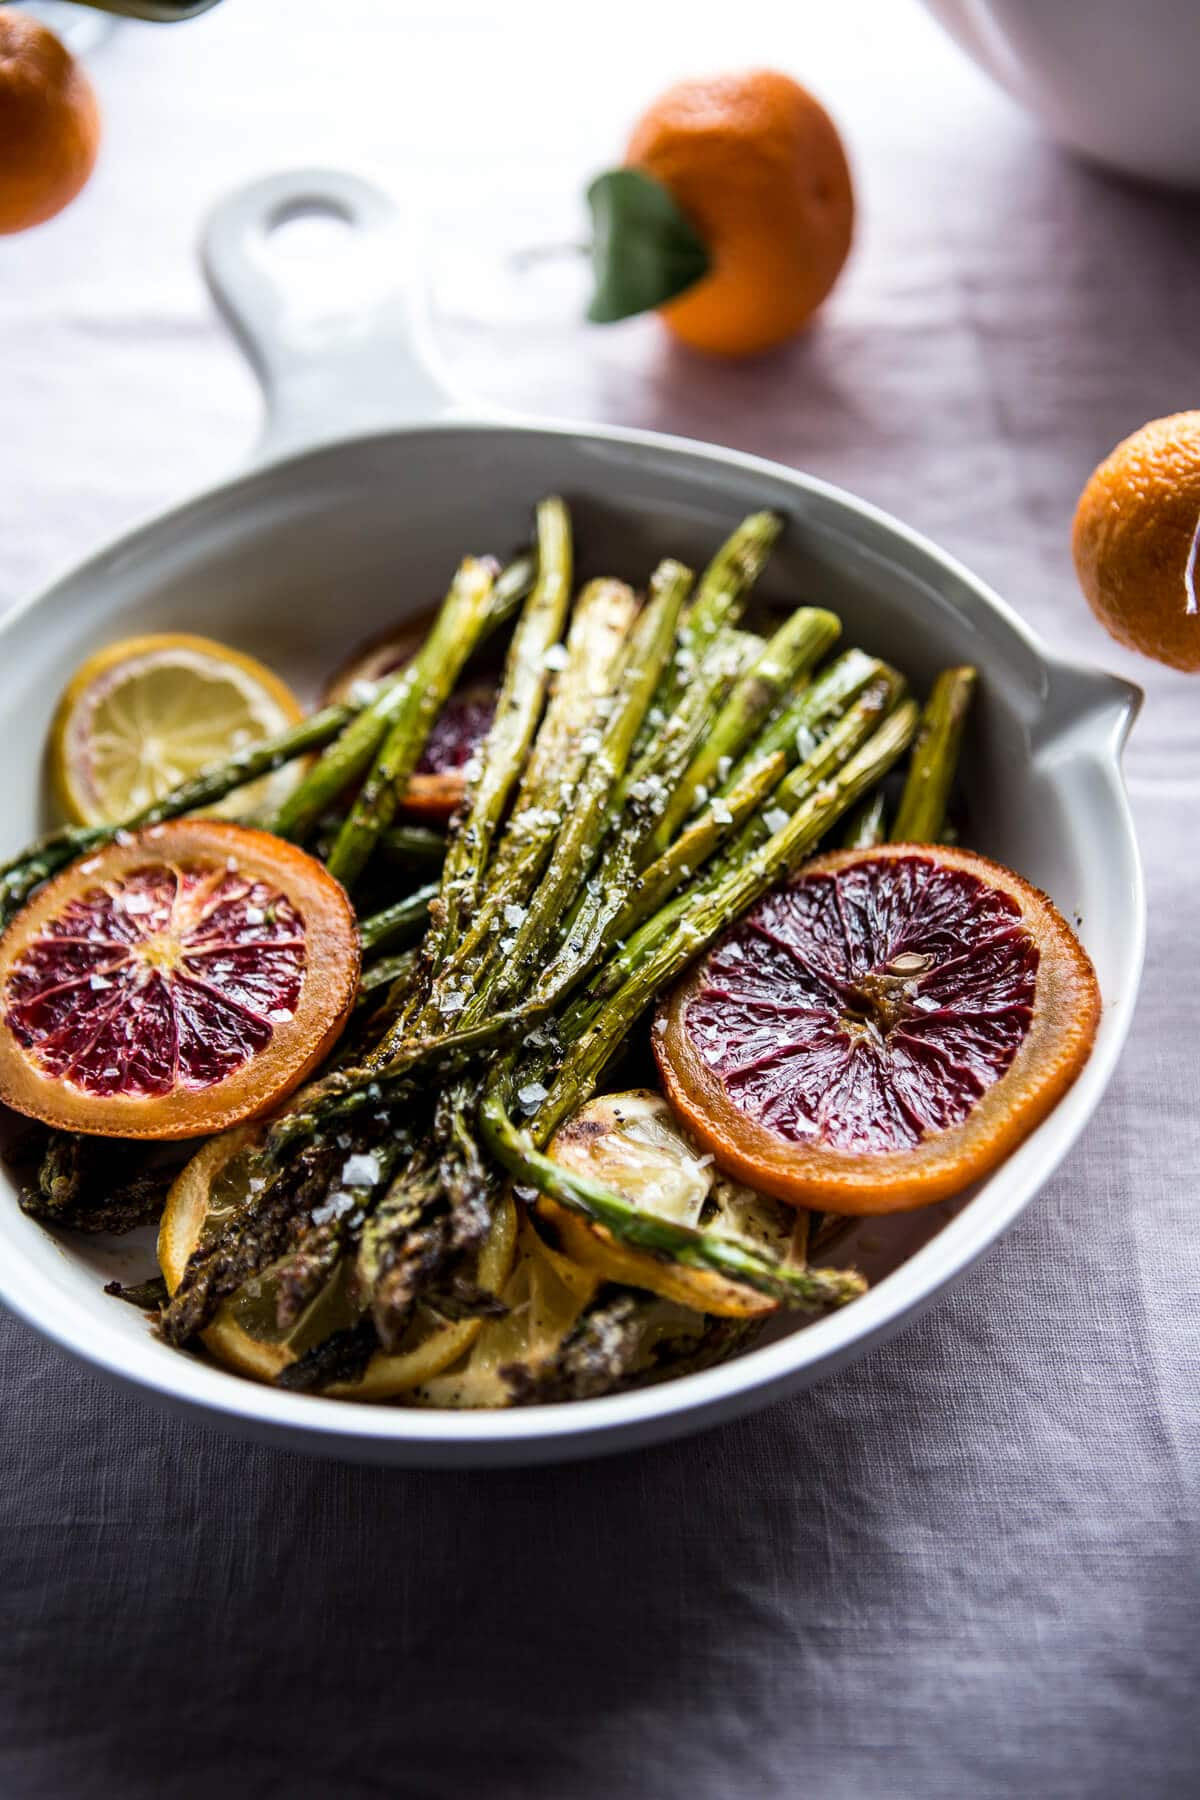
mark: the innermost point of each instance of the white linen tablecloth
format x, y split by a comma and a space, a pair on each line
968, 1565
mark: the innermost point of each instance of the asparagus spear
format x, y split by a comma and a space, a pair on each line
340, 1358
822, 765
600, 623
843, 738
808, 1290
693, 847
518, 710
797, 726
298, 1276
922, 812
617, 903
426, 686
348, 1091
602, 616
347, 760
636, 806
721, 597
428, 1219
795, 648
400, 920
596, 1356
656, 772
649, 647
257, 1234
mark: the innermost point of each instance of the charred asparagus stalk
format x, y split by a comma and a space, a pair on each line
922, 812
349, 759
796, 647
806, 1290
425, 687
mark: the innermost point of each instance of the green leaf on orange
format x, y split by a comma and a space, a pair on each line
645, 251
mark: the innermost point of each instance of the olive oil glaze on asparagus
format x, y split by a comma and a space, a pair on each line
653, 768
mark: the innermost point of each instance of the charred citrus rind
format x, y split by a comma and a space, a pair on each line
1050, 1057
594, 1247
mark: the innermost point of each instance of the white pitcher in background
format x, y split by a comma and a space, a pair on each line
1118, 80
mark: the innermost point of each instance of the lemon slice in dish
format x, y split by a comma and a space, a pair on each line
634, 1143
205, 1194
546, 1295
149, 712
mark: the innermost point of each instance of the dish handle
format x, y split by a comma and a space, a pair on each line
1089, 709
340, 345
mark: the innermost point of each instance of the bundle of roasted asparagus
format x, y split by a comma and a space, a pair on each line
653, 768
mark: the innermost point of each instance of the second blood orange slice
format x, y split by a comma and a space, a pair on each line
881, 1031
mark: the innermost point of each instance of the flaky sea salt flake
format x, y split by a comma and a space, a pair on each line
362, 1170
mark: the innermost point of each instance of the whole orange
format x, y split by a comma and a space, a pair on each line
49, 123
1137, 540
756, 164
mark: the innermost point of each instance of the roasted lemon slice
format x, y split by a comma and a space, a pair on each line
145, 714
209, 1188
546, 1295
633, 1143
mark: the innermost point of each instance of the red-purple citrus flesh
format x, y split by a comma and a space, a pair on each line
868, 1034
177, 977
459, 729
195, 972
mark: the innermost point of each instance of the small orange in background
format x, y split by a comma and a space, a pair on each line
757, 165
49, 124
1136, 541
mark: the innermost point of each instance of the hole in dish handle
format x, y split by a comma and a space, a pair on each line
317, 273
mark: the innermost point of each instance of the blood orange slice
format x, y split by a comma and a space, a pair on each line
436, 787
880, 1032
178, 981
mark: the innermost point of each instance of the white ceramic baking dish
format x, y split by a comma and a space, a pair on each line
367, 485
